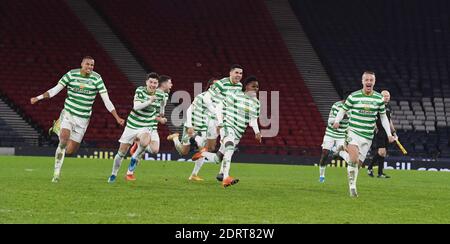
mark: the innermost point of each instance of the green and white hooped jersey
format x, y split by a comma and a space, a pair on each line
238, 110
81, 92
338, 133
362, 110
145, 118
200, 114
159, 104
222, 89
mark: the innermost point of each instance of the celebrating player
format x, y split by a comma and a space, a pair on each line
333, 138
234, 114
362, 107
139, 122
155, 116
198, 127
82, 87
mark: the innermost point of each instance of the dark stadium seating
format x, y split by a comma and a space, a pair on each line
194, 40
9, 137
406, 43
40, 41
190, 41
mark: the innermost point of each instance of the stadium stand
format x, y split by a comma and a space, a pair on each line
9, 137
192, 41
405, 43
41, 40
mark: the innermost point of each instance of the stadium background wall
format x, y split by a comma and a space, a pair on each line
397, 163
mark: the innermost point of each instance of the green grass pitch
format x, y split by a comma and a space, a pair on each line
265, 194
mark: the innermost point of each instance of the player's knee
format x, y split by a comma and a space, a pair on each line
63, 139
123, 148
144, 139
155, 149
143, 144
64, 135
354, 158
70, 149
211, 146
184, 151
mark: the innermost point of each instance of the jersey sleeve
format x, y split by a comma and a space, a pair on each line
197, 102
139, 95
348, 104
101, 88
257, 110
217, 88
382, 107
333, 112
65, 80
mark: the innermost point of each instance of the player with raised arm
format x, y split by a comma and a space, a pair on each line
212, 133
237, 110
156, 116
215, 96
362, 107
82, 87
222, 88
197, 128
139, 123
217, 92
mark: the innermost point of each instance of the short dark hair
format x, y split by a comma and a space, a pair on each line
153, 75
369, 72
163, 78
236, 66
248, 80
87, 57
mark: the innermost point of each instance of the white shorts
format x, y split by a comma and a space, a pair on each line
362, 143
203, 139
229, 136
332, 144
154, 137
129, 135
212, 129
76, 125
